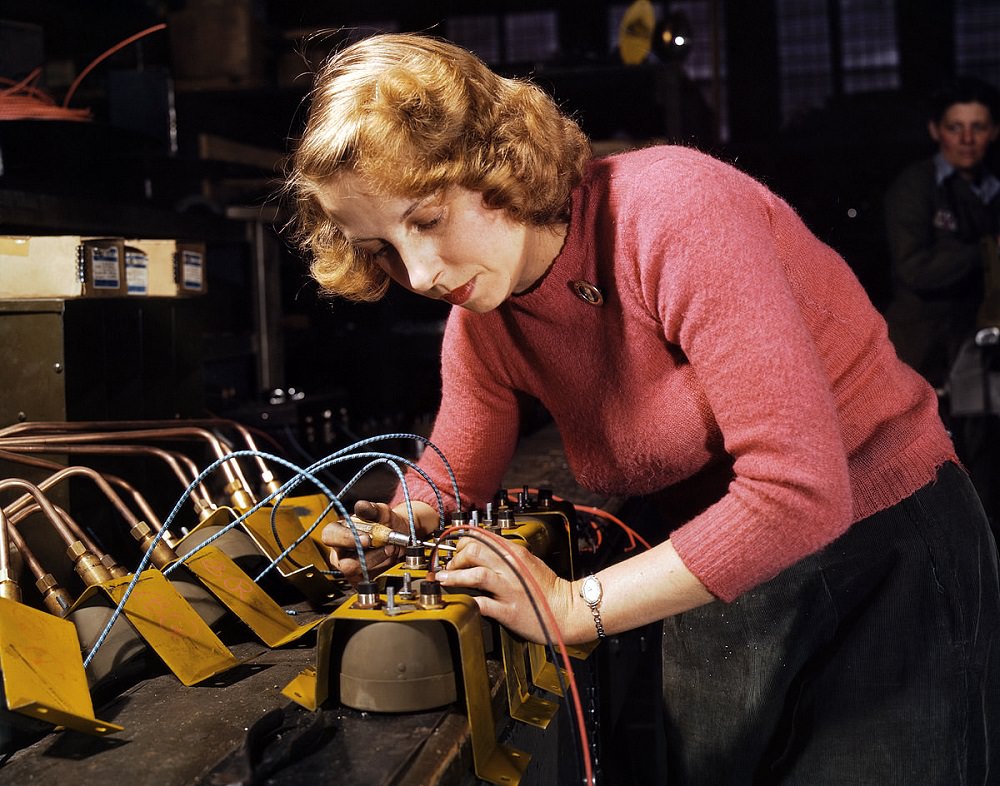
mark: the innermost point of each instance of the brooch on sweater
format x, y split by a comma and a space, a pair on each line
587, 292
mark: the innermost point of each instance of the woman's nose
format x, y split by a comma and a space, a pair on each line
423, 267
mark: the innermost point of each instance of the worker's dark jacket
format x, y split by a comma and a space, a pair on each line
934, 233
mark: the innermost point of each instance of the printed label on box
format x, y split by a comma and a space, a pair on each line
136, 272
192, 270
104, 268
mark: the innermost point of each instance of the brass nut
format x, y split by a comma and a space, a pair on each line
140, 530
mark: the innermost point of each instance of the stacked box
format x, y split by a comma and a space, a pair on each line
61, 266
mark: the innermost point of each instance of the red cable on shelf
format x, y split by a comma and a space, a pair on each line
25, 101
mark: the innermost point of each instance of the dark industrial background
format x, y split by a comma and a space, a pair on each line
182, 134
819, 98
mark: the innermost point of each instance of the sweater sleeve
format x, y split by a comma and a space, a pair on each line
721, 284
476, 426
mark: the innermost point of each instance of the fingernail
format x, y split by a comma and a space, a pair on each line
441, 575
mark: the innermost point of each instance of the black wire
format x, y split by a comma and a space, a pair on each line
549, 645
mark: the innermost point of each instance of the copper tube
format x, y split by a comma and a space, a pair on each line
237, 485
200, 498
106, 560
43, 502
24, 511
96, 477
55, 597
8, 581
267, 477
86, 564
109, 562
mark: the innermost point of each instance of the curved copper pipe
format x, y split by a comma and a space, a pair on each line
200, 498
54, 597
237, 487
85, 562
68, 472
16, 517
267, 477
9, 588
36, 568
47, 507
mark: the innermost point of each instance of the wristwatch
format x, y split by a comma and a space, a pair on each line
592, 592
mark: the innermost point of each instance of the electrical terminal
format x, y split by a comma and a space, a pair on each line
368, 596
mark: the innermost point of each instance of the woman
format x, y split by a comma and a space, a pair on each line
830, 603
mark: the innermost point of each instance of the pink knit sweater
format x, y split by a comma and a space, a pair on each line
728, 333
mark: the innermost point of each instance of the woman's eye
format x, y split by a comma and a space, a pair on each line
376, 253
423, 226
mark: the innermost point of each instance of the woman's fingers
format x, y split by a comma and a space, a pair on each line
344, 547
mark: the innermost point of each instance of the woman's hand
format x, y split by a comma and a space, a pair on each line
477, 566
343, 549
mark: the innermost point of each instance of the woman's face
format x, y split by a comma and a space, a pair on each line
447, 246
964, 135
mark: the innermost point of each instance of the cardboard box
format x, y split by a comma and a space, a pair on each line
190, 271
149, 267
61, 266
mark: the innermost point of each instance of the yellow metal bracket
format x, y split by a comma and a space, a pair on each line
304, 567
494, 762
168, 624
43, 675
524, 705
241, 595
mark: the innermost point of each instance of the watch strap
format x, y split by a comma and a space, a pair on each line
595, 606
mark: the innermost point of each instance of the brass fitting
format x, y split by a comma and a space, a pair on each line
430, 595
116, 570
239, 496
86, 564
415, 559
9, 588
54, 597
162, 554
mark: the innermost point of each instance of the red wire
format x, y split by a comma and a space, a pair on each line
23, 100
633, 536
107, 54
549, 623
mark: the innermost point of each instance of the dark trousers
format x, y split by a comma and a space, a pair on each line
874, 662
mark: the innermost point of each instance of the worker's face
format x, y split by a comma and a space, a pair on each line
447, 246
964, 135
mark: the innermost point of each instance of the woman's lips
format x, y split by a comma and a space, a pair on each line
461, 295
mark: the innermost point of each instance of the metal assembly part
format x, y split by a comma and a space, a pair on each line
368, 597
388, 667
406, 591
430, 595
493, 761
415, 559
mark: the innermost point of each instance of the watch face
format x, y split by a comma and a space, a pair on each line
591, 590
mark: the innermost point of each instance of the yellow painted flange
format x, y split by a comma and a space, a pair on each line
43, 675
238, 592
304, 567
524, 705
168, 625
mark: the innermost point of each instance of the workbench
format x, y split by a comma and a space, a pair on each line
238, 727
